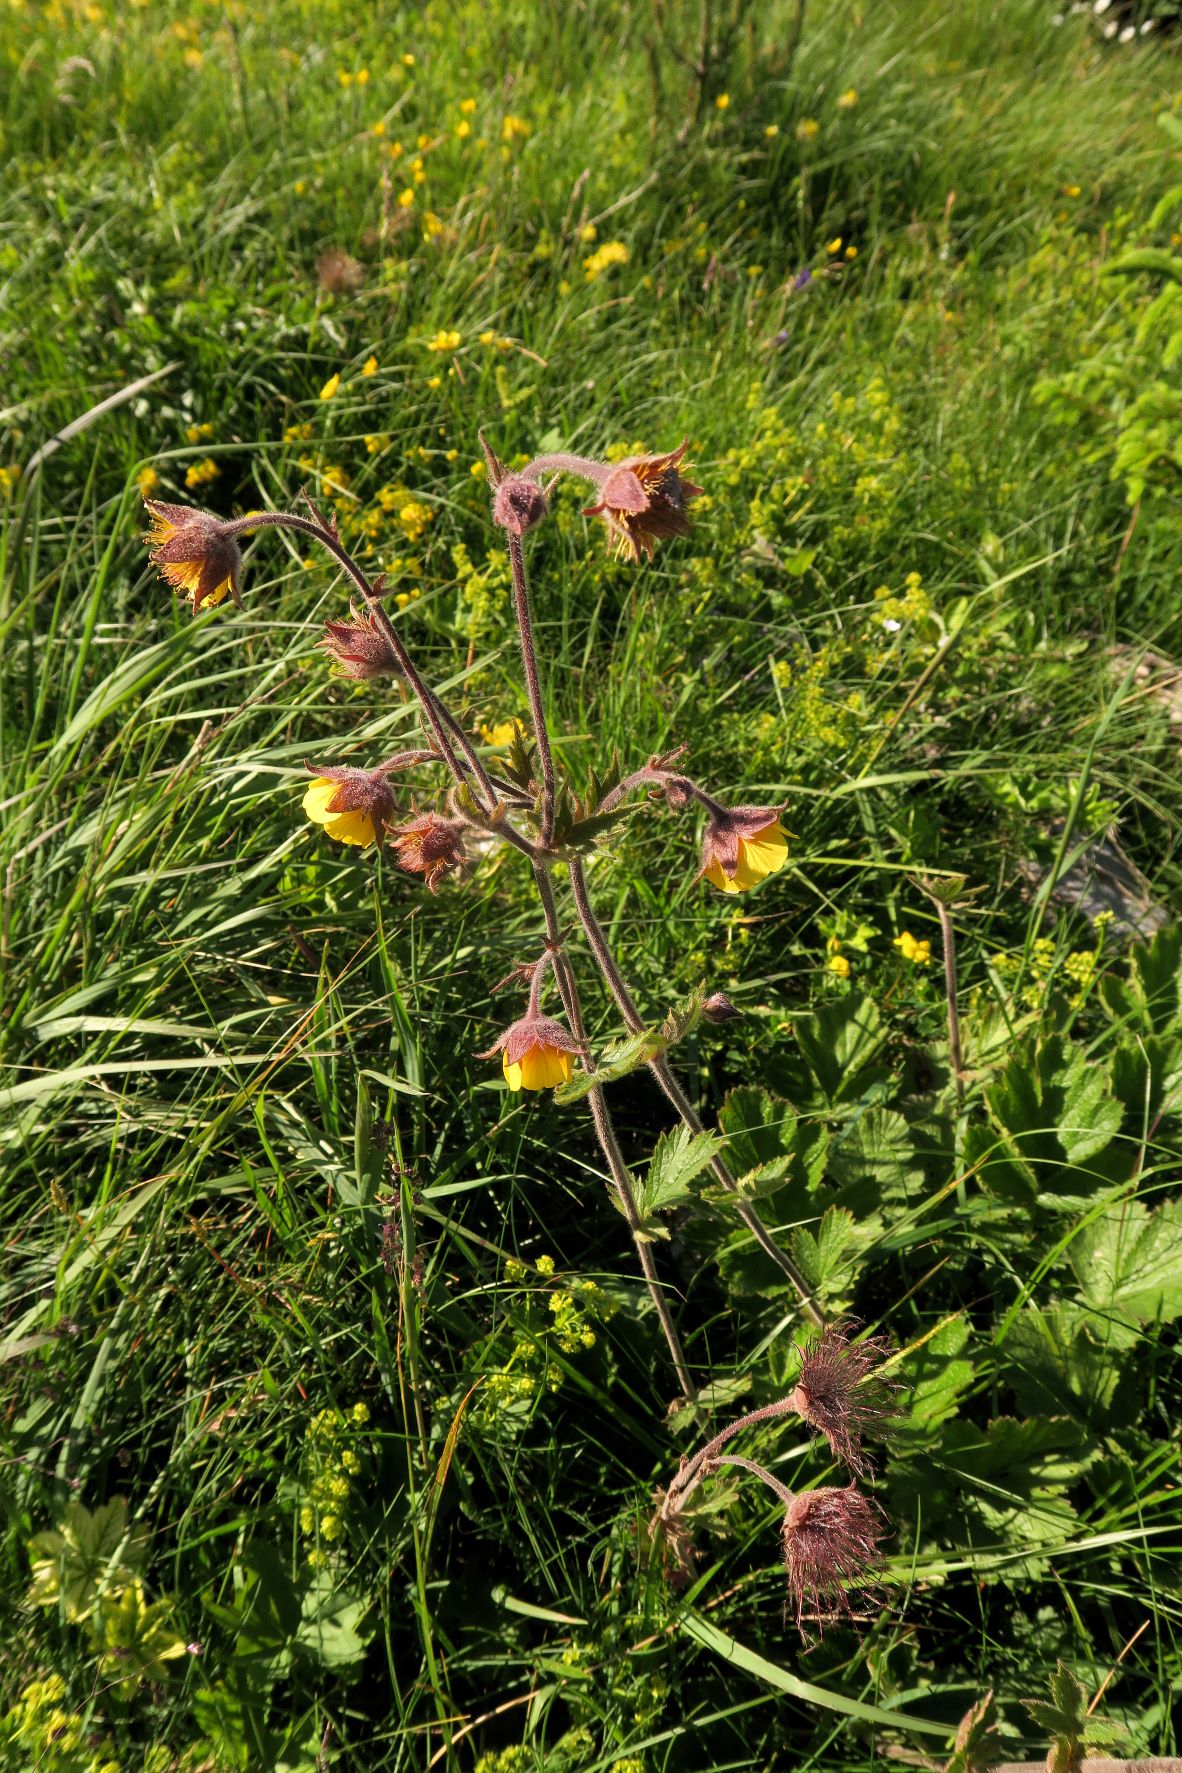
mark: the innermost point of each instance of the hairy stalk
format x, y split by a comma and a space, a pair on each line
761, 1472
529, 661
678, 1099
606, 1134
443, 727
695, 1469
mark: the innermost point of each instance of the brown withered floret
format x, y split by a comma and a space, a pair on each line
830, 1542
430, 846
359, 647
644, 498
842, 1392
194, 553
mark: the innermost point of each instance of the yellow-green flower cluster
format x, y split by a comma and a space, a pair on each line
508, 1391
38, 1731
1046, 966
333, 1453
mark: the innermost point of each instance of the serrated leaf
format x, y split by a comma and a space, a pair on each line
1064, 1715
840, 1043
974, 1738
825, 1257
1128, 1263
627, 1055
873, 1160
92, 1554
938, 1373
679, 1156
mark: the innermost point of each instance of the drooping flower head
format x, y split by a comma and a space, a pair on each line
537, 1053
359, 647
843, 1393
430, 846
830, 1541
519, 504
194, 552
644, 498
741, 846
354, 806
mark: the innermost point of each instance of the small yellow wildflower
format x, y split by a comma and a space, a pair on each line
848, 99
432, 226
370, 367
918, 952
147, 480
613, 252
468, 107
588, 233
300, 187
851, 252
444, 342
376, 442
198, 433
408, 60
201, 473
478, 470
837, 963
545, 1266
722, 102
434, 382
1071, 190
834, 245
378, 128
344, 78
406, 199
772, 131
463, 129
360, 1414
362, 76
502, 733
808, 129
514, 129
330, 387
487, 337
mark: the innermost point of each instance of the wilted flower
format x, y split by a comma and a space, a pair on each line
843, 1393
537, 1053
830, 1539
430, 846
354, 806
194, 553
742, 845
360, 647
338, 272
718, 1009
519, 504
643, 498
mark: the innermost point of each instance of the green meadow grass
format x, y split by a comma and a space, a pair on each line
291, 1287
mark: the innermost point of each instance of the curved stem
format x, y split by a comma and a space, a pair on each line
761, 1472
606, 1134
533, 686
562, 462
678, 1099
692, 1471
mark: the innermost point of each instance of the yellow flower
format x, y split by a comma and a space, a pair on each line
434, 381
330, 387
514, 129
851, 252
444, 341
772, 131
503, 732
722, 102
432, 226
408, 60
468, 107
918, 952
379, 128
370, 367
199, 433
147, 480
200, 473
834, 245
807, 129
478, 470
463, 129
344, 77
751, 838
362, 76
540, 1067
192, 551
613, 252
354, 826
837, 963
848, 99
1071, 190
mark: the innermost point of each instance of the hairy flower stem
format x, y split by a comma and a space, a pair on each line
695, 1469
761, 1472
529, 661
948, 943
606, 1134
677, 1097
443, 727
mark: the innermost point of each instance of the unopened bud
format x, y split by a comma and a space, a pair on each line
519, 505
718, 1009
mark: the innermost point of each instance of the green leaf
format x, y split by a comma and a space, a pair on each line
1152, 259
329, 1630
679, 1156
1057, 1118
92, 1554
1063, 1716
768, 1145
1128, 1263
136, 1639
840, 1044
873, 1160
974, 1738
796, 561
628, 1055
826, 1257
938, 1373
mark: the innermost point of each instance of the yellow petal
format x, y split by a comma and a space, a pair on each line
715, 875
543, 1067
512, 1072
350, 827
763, 853
218, 595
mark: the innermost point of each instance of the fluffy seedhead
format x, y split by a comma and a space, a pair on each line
519, 504
830, 1542
430, 846
360, 647
644, 498
194, 552
843, 1393
741, 846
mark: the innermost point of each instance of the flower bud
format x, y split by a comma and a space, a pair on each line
830, 1539
360, 647
642, 499
742, 845
718, 1009
519, 504
430, 846
194, 552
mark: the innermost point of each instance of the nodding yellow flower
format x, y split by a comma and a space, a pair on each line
330, 387
193, 552
444, 342
643, 498
742, 846
353, 805
918, 952
536, 1053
